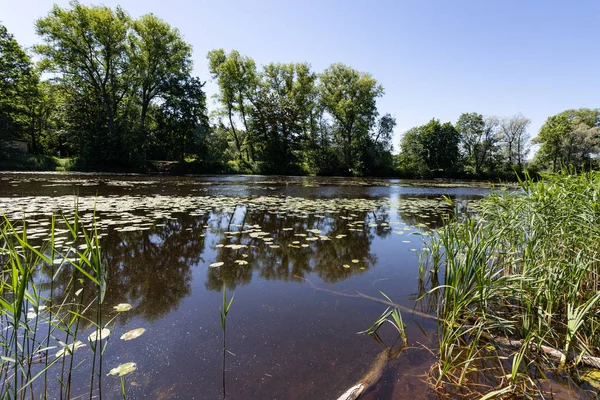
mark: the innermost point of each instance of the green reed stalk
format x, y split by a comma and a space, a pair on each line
526, 268
223, 314
26, 343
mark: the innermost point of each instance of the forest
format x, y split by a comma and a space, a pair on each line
107, 92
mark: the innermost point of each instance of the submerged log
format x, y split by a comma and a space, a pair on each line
372, 376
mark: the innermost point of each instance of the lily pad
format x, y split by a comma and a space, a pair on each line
122, 307
69, 349
123, 369
104, 333
132, 334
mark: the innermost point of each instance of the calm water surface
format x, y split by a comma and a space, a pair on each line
289, 341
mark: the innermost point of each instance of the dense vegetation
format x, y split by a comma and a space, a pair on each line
520, 290
113, 93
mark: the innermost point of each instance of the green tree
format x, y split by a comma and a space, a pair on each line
182, 123
159, 56
282, 108
18, 83
571, 137
478, 140
430, 149
88, 49
349, 97
376, 150
237, 79
515, 140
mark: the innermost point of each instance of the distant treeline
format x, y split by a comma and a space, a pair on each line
114, 93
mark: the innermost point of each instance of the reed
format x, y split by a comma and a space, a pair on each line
526, 268
223, 314
39, 332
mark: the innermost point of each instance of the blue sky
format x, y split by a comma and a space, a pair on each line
434, 58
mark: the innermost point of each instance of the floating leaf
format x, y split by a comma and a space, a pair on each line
355, 261
69, 349
346, 266
216, 264
122, 307
103, 335
123, 369
132, 334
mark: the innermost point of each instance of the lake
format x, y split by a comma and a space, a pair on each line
285, 244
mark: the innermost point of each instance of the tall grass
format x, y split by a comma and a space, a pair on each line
38, 332
521, 287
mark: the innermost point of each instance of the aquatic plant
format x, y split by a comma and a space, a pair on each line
392, 316
223, 314
521, 288
39, 328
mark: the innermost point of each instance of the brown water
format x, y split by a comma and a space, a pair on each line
289, 341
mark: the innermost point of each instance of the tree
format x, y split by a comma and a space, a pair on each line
87, 47
159, 56
478, 140
282, 107
410, 159
376, 150
571, 137
182, 123
18, 82
236, 77
430, 148
113, 73
515, 139
349, 97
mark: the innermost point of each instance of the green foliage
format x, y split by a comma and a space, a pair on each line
431, 149
571, 137
125, 86
44, 331
18, 83
525, 269
479, 140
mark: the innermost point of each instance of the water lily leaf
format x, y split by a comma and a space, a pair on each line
346, 266
123, 369
132, 334
216, 264
122, 307
103, 335
355, 261
69, 349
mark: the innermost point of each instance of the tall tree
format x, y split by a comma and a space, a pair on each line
18, 83
571, 137
478, 140
430, 148
515, 139
87, 47
182, 120
159, 57
350, 96
282, 107
237, 79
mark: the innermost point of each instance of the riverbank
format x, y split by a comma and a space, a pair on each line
40, 163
